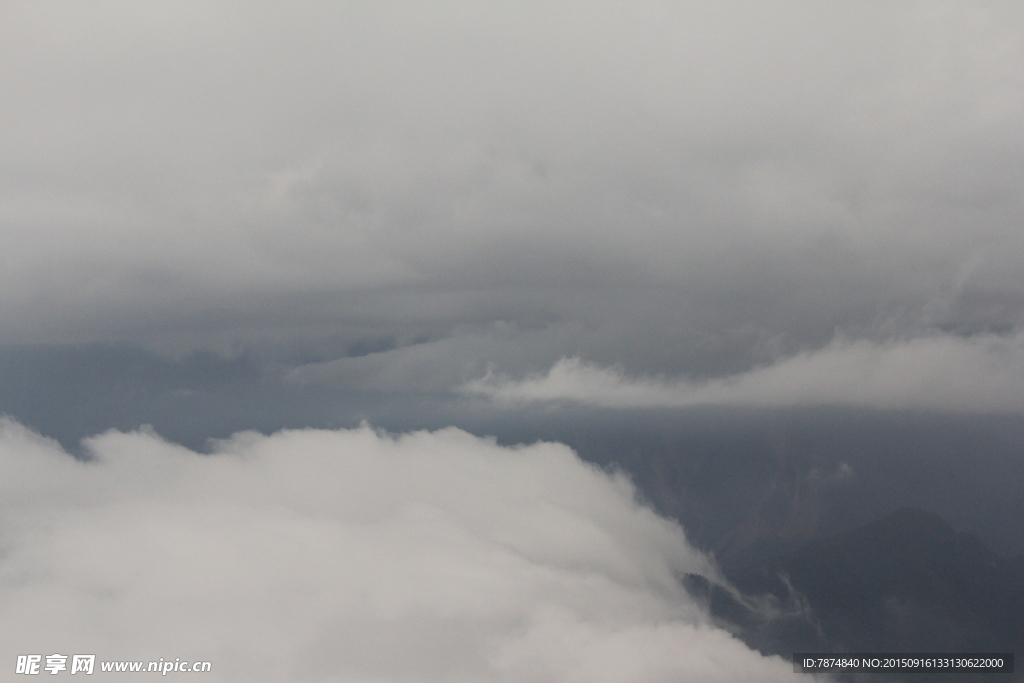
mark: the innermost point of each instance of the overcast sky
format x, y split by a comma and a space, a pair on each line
691, 189
229, 213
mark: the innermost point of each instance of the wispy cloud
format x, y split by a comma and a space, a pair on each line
983, 373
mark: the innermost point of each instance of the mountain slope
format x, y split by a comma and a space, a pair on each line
905, 583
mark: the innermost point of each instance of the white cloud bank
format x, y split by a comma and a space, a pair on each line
984, 373
349, 556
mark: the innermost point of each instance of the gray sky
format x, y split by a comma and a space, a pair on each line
689, 189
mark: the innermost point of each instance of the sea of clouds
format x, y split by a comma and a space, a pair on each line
350, 555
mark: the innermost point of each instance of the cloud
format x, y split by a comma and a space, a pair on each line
350, 555
978, 374
173, 170
435, 365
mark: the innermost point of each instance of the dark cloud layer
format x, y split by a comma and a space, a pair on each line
679, 189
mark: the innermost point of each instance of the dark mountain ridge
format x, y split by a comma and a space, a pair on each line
906, 583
